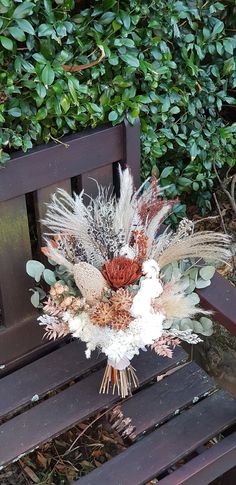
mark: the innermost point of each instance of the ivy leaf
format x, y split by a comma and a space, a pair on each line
130, 60
6, 43
48, 75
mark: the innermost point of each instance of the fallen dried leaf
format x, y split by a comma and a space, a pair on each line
42, 460
29, 472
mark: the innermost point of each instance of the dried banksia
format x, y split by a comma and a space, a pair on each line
102, 315
90, 281
121, 300
121, 271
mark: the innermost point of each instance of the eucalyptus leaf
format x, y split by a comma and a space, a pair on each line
49, 277
35, 299
35, 269
201, 283
207, 272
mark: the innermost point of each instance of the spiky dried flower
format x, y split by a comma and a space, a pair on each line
121, 319
102, 315
121, 271
121, 299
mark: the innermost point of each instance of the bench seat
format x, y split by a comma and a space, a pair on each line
170, 418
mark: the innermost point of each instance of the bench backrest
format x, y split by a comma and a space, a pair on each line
26, 184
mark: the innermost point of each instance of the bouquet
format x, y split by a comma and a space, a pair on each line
118, 284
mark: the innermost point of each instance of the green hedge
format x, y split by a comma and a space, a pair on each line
169, 62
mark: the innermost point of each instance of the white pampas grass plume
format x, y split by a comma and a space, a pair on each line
153, 226
125, 210
90, 281
206, 245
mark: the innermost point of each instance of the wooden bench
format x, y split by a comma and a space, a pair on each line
171, 419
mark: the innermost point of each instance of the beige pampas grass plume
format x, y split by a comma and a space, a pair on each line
206, 245
90, 282
174, 303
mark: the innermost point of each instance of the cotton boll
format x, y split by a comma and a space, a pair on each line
128, 252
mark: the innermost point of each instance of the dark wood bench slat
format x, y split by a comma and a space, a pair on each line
60, 412
102, 175
15, 249
206, 467
50, 163
44, 375
220, 297
162, 448
155, 404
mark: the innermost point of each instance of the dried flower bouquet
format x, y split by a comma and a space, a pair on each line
119, 286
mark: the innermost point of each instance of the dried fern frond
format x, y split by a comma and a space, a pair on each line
165, 345
206, 245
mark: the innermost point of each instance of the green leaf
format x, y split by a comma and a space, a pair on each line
48, 75
130, 60
193, 150
195, 186
6, 43
184, 181
218, 27
167, 171
207, 272
112, 116
126, 20
49, 277
65, 103
35, 269
17, 33
16, 112
229, 66
24, 9
44, 30
39, 58
107, 18
26, 26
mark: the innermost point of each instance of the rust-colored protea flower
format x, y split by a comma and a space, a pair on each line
102, 314
121, 271
121, 300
